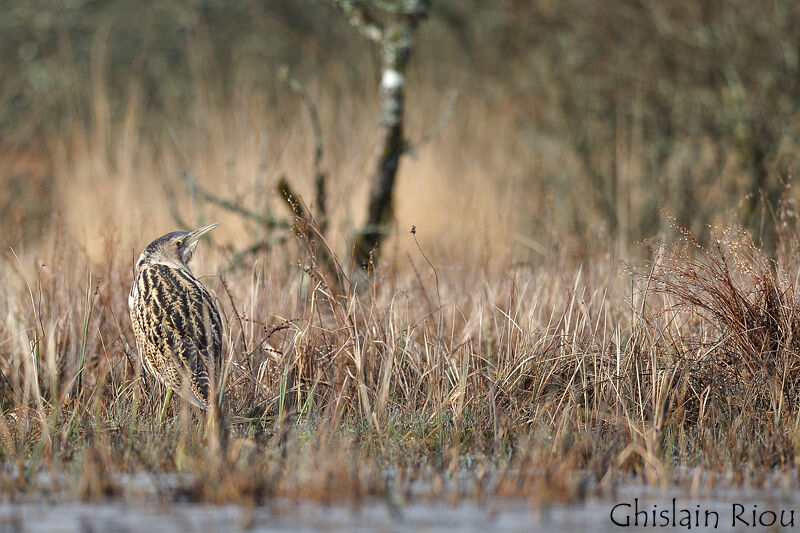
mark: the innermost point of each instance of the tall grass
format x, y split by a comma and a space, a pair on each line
526, 380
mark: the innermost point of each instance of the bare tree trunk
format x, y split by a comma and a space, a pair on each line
395, 38
395, 55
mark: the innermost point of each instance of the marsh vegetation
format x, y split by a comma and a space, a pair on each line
545, 333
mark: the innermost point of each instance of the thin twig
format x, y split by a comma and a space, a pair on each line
438, 126
435, 274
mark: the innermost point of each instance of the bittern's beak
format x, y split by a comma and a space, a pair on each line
198, 234
191, 239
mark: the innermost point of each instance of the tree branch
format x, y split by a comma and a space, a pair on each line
319, 145
238, 257
360, 19
230, 205
307, 228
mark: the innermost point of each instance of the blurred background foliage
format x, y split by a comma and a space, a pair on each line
598, 117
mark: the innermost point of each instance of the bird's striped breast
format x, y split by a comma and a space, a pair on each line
178, 330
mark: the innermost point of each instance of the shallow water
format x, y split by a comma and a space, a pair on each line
718, 511
33, 517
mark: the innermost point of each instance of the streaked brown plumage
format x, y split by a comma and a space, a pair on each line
175, 320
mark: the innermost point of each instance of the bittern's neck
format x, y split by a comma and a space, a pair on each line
177, 265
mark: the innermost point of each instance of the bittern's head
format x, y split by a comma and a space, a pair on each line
174, 249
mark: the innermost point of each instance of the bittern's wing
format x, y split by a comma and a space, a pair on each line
181, 331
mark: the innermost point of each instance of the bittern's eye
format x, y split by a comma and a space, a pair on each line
179, 242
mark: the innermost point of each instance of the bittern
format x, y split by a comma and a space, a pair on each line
175, 320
